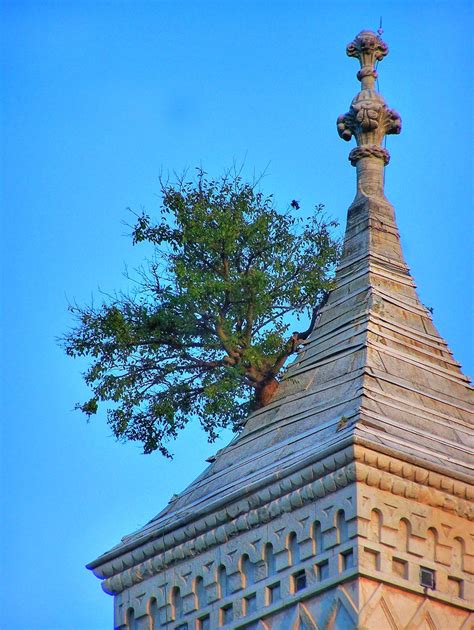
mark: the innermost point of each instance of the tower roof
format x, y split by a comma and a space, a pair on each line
374, 370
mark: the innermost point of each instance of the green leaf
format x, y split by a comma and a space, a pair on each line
204, 328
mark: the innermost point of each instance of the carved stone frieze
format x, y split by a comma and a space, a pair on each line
412, 490
137, 568
287, 495
413, 472
358, 531
369, 150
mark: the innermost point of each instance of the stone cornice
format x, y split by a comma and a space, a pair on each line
322, 458
377, 455
415, 483
357, 463
284, 495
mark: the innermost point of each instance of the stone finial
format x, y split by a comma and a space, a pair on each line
368, 119
368, 48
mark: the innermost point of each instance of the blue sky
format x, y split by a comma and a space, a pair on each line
98, 99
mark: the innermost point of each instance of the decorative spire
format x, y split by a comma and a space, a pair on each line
368, 119
368, 48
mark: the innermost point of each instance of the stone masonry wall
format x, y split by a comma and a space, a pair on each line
347, 560
258, 572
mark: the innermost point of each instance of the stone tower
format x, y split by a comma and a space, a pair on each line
347, 501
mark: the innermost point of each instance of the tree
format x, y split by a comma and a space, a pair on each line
205, 332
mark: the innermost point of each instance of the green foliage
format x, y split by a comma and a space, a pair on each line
205, 334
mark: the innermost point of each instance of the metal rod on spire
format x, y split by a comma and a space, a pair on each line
380, 29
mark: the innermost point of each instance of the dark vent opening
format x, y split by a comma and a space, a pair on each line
427, 578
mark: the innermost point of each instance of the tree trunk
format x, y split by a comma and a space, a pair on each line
265, 392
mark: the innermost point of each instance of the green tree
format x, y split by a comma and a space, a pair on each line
205, 332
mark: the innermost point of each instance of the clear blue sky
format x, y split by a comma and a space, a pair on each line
97, 99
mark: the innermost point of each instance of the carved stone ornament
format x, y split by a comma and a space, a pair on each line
368, 119
369, 150
368, 48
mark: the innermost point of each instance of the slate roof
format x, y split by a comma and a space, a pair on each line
374, 368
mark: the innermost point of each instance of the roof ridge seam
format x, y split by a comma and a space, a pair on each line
348, 260
297, 417
391, 378
330, 305
421, 350
440, 371
288, 442
320, 347
413, 332
412, 304
331, 358
430, 414
415, 430
413, 446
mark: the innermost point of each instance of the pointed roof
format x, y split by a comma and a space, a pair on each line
374, 371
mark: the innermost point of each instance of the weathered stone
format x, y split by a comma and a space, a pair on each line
354, 479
